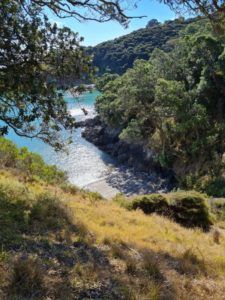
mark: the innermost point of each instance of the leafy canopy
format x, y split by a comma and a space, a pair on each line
39, 61
174, 104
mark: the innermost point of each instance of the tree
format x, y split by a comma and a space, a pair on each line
174, 105
39, 61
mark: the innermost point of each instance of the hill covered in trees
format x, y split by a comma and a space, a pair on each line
117, 55
173, 105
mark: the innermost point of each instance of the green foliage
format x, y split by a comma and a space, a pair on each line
69, 188
173, 105
121, 200
44, 62
30, 164
94, 196
190, 208
36, 71
213, 10
118, 55
151, 203
215, 187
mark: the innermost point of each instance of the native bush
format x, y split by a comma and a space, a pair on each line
151, 203
173, 105
189, 208
30, 164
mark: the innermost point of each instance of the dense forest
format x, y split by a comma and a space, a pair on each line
117, 55
173, 104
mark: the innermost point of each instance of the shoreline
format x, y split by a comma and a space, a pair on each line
103, 188
139, 176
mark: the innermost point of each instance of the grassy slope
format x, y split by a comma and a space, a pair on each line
82, 247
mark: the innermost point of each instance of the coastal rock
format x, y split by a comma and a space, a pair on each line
107, 139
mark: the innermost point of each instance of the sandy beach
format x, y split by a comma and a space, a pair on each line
122, 179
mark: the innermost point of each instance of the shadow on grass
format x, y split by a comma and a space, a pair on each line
47, 248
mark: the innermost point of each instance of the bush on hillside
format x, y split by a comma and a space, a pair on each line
187, 208
151, 203
30, 164
215, 187
69, 188
191, 209
121, 200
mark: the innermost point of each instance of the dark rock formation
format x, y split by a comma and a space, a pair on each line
107, 139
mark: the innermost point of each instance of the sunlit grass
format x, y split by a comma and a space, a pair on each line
149, 256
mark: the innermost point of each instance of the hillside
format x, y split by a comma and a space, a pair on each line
117, 55
59, 242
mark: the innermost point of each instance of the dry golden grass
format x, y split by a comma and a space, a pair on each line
189, 259
149, 257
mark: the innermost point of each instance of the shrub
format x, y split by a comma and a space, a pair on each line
94, 196
121, 200
151, 203
187, 208
8, 153
30, 164
191, 209
215, 187
211, 185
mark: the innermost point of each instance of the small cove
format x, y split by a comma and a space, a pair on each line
86, 165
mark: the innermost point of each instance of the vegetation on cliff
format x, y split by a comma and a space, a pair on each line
173, 104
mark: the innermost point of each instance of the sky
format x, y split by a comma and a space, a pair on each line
95, 33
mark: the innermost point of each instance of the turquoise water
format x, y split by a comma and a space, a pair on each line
84, 163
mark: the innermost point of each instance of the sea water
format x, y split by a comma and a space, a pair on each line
83, 162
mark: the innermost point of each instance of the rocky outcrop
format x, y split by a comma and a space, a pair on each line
107, 139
